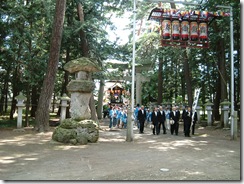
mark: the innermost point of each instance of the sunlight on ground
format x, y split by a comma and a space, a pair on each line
164, 146
194, 173
111, 140
198, 149
204, 135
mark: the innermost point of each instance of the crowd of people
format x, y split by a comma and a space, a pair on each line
159, 118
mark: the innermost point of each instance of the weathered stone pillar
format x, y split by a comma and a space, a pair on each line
139, 80
225, 110
198, 110
20, 104
209, 110
64, 105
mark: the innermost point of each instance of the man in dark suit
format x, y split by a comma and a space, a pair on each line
161, 119
175, 116
155, 121
187, 119
142, 116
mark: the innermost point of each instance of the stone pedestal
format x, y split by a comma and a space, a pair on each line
64, 105
20, 104
225, 110
198, 109
209, 110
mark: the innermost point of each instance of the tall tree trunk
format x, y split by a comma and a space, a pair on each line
42, 113
160, 81
66, 74
222, 87
34, 100
27, 106
85, 53
84, 43
188, 79
100, 100
4, 97
217, 100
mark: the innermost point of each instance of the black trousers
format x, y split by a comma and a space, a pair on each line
174, 128
141, 126
163, 125
156, 128
193, 128
187, 128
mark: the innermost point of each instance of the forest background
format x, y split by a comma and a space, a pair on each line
38, 37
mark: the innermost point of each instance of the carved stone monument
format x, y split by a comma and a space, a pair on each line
79, 129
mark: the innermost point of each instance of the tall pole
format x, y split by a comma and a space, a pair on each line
232, 70
232, 73
129, 135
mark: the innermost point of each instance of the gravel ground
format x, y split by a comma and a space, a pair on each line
209, 155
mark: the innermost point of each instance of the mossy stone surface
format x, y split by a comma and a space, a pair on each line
81, 64
84, 86
76, 132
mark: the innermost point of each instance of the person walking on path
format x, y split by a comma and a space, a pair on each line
111, 112
142, 116
136, 116
161, 119
155, 121
124, 118
167, 117
187, 119
175, 116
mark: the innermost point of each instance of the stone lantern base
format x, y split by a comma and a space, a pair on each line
76, 132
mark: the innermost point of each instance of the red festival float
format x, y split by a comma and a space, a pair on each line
184, 28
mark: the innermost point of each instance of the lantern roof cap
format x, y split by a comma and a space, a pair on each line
20, 97
81, 64
65, 97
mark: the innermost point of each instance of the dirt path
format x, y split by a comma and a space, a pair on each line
209, 155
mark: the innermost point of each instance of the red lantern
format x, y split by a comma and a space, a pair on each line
203, 31
193, 28
184, 26
166, 26
203, 26
184, 30
175, 28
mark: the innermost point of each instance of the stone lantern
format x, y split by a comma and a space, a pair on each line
225, 109
81, 88
64, 104
20, 104
79, 129
209, 110
198, 110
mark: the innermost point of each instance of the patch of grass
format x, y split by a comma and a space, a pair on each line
5, 122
